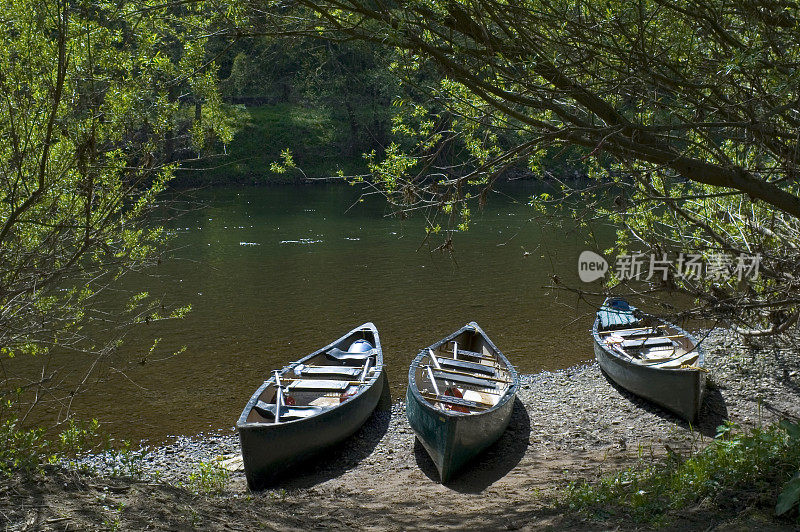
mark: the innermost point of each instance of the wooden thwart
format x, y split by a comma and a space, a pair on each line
469, 380
320, 384
353, 371
464, 365
454, 372
475, 354
455, 401
658, 336
612, 331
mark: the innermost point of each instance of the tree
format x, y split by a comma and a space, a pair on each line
350, 80
688, 110
88, 99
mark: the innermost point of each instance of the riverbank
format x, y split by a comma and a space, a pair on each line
312, 134
567, 425
318, 141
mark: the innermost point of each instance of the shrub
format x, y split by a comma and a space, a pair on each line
21, 449
756, 464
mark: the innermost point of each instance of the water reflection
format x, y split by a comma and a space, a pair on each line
275, 273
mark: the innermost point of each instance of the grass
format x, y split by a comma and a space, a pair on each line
311, 134
738, 470
209, 478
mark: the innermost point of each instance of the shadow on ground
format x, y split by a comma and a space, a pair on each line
492, 464
713, 411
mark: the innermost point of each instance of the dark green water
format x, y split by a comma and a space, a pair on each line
275, 273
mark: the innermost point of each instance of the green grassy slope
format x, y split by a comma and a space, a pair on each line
311, 134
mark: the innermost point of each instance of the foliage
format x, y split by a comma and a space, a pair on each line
683, 112
309, 133
348, 81
790, 496
94, 116
749, 465
27, 450
79, 437
21, 449
209, 478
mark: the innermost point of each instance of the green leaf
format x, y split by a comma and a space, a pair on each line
790, 495
792, 429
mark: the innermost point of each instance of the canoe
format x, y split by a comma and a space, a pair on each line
650, 357
460, 396
311, 404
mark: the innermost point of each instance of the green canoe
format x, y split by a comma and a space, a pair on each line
460, 396
311, 404
651, 358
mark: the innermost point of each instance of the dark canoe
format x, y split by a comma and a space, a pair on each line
675, 382
453, 430
330, 402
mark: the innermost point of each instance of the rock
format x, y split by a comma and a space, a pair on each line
233, 464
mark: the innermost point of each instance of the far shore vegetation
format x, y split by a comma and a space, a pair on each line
311, 134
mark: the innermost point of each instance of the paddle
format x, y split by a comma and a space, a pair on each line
366, 370
432, 356
433, 381
278, 397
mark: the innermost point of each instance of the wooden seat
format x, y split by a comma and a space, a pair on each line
473, 367
463, 379
467, 353
449, 399
318, 385
676, 362
651, 331
647, 342
287, 412
332, 370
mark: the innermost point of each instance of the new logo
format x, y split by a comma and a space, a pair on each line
591, 266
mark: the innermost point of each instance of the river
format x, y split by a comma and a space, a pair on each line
275, 273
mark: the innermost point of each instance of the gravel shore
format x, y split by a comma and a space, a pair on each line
566, 425
560, 417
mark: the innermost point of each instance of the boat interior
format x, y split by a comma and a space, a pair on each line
463, 375
319, 383
652, 343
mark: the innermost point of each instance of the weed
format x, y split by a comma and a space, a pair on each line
124, 462
278, 495
758, 461
114, 523
194, 518
209, 477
